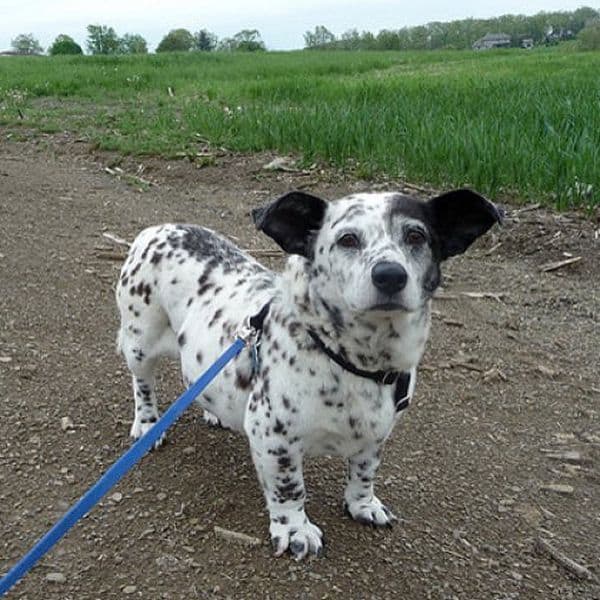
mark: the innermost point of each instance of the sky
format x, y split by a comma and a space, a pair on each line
281, 24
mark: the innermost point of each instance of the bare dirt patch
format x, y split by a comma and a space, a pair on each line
507, 407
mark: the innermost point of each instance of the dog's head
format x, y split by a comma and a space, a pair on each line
376, 252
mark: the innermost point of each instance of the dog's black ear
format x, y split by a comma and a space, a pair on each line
291, 221
459, 217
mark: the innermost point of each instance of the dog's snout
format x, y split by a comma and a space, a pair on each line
389, 277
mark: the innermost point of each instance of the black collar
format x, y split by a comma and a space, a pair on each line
400, 378
384, 377
257, 321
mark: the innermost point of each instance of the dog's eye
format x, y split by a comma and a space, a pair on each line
349, 240
415, 237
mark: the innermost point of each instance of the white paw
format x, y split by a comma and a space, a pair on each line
210, 419
371, 512
138, 429
296, 534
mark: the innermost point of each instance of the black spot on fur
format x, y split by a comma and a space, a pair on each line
242, 381
147, 249
215, 317
181, 339
204, 288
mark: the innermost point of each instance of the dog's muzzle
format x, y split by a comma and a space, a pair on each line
389, 277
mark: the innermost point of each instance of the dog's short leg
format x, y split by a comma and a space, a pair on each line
280, 473
279, 467
360, 501
146, 409
145, 335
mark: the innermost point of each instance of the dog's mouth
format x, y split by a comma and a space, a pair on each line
388, 307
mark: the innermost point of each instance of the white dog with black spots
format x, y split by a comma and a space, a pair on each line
343, 329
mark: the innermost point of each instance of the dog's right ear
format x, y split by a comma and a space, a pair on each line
291, 221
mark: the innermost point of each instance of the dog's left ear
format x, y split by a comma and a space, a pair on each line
291, 221
459, 217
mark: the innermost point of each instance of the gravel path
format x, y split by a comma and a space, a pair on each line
499, 450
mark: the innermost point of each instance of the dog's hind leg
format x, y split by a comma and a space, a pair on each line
145, 335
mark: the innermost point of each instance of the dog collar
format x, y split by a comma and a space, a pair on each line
400, 378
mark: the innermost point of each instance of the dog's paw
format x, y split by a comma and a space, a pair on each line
210, 419
372, 512
138, 429
300, 538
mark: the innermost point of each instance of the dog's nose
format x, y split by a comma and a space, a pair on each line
389, 277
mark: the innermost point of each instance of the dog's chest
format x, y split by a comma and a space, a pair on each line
331, 410
348, 422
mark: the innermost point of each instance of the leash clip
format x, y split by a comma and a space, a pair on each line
248, 334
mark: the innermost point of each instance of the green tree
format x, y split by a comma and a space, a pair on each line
133, 43
26, 43
177, 40
350, 40
205, 41
64, 44
583, 17
368, 41
102, 40
388, 40
248, 40
589, 37
319, 38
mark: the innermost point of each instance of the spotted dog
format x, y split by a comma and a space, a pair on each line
343, 329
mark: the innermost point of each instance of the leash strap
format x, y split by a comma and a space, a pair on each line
118, 470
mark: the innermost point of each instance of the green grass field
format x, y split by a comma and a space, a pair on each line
508, 123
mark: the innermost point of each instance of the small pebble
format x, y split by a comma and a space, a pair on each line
130, 589
116, 497
55, 577
66, 423
161, 496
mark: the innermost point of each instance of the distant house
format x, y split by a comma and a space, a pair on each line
493, 40
527, 43
553, 36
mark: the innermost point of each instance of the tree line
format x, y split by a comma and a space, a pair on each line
103, 39
543, 27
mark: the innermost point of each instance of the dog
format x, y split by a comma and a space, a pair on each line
342, 330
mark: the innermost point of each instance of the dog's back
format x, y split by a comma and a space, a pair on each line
186, 286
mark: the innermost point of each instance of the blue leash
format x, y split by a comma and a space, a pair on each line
118, 470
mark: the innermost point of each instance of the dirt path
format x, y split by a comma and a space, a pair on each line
508, 402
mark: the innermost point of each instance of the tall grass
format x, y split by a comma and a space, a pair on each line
525, 124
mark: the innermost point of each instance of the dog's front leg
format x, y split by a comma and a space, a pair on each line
278, 462
359, 498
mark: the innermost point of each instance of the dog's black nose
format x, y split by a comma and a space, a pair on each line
389, 277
